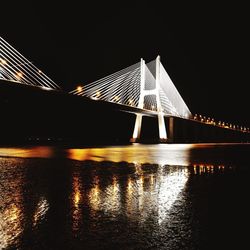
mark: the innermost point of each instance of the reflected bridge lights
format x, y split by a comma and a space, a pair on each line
41, 210
199, 169
171, 186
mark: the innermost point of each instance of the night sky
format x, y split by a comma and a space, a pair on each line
204, 48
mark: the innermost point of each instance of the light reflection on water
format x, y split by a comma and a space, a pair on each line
28, 152
138, 197
11, 214
138, 194
40, 211
171, 154
76, 199
11, 227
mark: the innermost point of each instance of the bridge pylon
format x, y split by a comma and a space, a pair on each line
143, 93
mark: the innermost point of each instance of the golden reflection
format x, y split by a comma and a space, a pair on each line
112, 198
141, 195
39, 151
137, 200
76, 191
152, 181
195, 169
115, 185
10, 225
138, 169
11, 210
129, 197
95, 195
41, 210
107, 200
145, 194
129, 186
76, 199
170, 154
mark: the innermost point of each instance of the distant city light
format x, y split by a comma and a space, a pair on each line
227, 125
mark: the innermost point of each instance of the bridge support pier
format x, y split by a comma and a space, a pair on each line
143, 93
137, 129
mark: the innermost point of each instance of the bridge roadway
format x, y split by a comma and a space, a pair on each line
29, 112
15, 86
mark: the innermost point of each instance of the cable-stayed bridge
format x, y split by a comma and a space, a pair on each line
146, 86
144, 89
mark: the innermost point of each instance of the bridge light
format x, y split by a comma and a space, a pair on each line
3, 62
116, 98
39, 71
19, 75
98, 94
79, 88
46, 88
130, 101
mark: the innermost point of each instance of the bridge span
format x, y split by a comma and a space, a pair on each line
136, 104
35, 115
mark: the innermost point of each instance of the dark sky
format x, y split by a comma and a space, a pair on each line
204, 48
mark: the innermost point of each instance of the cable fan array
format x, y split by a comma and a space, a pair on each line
122, 87
15, 67
138, 85
125, 87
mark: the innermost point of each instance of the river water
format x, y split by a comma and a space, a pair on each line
165, 196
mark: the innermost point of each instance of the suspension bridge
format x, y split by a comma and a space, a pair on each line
144, 89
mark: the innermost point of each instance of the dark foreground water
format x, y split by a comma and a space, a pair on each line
128, 197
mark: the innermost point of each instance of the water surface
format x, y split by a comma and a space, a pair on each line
176, 196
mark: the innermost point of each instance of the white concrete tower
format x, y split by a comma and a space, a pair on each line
143, 93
